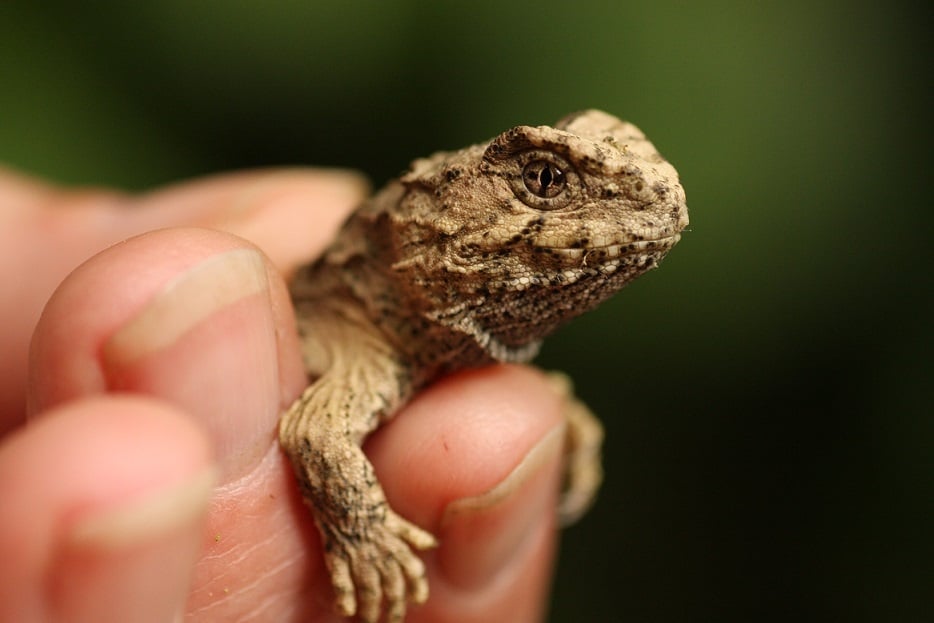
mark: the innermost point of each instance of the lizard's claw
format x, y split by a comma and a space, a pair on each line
380, 569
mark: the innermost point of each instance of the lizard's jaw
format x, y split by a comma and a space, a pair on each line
613, 252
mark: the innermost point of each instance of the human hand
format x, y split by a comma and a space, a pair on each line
148, 483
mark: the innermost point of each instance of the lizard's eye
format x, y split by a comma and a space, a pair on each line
544, 179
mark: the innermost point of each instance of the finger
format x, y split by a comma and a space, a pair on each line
192, 316
102, 513
476, 458
198, 318
289, 213
46, 231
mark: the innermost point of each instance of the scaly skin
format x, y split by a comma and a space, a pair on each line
469, 258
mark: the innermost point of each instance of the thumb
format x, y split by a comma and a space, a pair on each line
200, 320
45, 232
195, 317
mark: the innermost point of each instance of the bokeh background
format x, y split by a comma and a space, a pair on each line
767, 394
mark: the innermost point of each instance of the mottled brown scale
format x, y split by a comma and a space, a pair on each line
470, 257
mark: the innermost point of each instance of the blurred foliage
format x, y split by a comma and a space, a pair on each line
767, 394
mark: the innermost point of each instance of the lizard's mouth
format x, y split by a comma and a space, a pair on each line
613, 251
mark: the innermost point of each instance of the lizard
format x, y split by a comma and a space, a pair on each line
469, 258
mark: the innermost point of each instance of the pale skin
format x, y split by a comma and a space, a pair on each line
117, 424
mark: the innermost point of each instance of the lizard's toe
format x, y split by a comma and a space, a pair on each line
368, 577
410, 533
415, 580
394, 591
345, 601
381, 573
412, 566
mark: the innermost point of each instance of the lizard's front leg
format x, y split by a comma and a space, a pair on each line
367, 546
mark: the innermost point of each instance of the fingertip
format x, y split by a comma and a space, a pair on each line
104, 501
290, 213
477, 458
192, 316
462, 436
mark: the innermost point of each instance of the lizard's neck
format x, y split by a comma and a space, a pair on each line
435, 342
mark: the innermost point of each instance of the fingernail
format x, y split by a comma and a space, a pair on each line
207, 342
492, 528
190, 298
147, 516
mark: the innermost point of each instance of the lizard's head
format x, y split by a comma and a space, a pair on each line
543, 223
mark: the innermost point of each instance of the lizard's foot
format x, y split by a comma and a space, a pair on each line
377, 567
583, 470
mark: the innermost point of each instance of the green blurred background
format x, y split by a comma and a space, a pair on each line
767, 394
